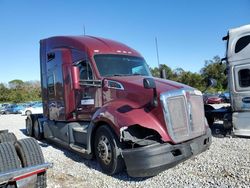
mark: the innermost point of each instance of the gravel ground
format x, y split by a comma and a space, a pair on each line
225, 164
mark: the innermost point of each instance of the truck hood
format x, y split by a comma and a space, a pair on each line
162, 85
130, 103
135, 92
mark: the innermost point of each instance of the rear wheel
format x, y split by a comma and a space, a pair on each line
8, 160
28, 113
7, 137
31, 154
29, 126
107, 151
36, 130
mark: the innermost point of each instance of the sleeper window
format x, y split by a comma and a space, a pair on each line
244, 77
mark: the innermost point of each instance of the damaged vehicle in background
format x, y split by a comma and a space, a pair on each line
236, 117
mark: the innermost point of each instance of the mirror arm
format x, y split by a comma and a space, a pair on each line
154, 102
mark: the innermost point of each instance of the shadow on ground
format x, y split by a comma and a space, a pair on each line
90, 163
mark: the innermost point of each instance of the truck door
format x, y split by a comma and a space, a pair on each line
88, 98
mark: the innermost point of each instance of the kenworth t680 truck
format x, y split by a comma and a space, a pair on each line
100, 100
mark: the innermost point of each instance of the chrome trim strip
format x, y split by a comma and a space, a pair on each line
10, 175
118, 83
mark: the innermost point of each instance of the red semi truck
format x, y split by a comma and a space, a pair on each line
100, 100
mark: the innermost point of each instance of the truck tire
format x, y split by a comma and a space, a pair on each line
8, 160
36, 131
107, 151
209, 115
4, 131
227, 121
28, 113
31, 154
7, 137
29, 126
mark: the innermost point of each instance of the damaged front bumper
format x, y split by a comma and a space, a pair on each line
151, 160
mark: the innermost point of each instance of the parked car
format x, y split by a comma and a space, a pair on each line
8, 109
35, 109
212, 99
2, 107
12, 109
18, 108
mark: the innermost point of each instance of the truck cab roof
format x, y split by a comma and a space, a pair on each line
238, 43
93, 45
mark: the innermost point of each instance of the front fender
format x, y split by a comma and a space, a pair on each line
125, 113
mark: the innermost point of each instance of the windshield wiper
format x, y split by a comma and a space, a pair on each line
110, 75
135, 74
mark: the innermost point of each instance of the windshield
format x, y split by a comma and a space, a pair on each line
121, 65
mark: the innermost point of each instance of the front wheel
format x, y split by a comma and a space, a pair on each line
107, 151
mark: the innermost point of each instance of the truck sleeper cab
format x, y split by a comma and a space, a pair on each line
237, 116
238, 64
100, 100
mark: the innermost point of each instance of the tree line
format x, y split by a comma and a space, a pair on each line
17, 91
212, 69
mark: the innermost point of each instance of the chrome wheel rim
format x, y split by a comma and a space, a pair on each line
104, 150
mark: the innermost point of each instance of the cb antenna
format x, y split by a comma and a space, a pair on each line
84, 30
162, 71
157, 53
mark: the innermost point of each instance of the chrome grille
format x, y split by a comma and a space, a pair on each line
178, 118
184, 114
197, 125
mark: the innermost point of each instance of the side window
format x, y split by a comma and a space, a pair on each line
242, 43
51, 85
80, 59
85, 71
244, 77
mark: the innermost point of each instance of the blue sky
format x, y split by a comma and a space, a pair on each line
188, 31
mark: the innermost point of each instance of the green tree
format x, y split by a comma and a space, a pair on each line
18, 91
156, 71
192, 79
212, 69
215, 69
4, 93
16, 84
